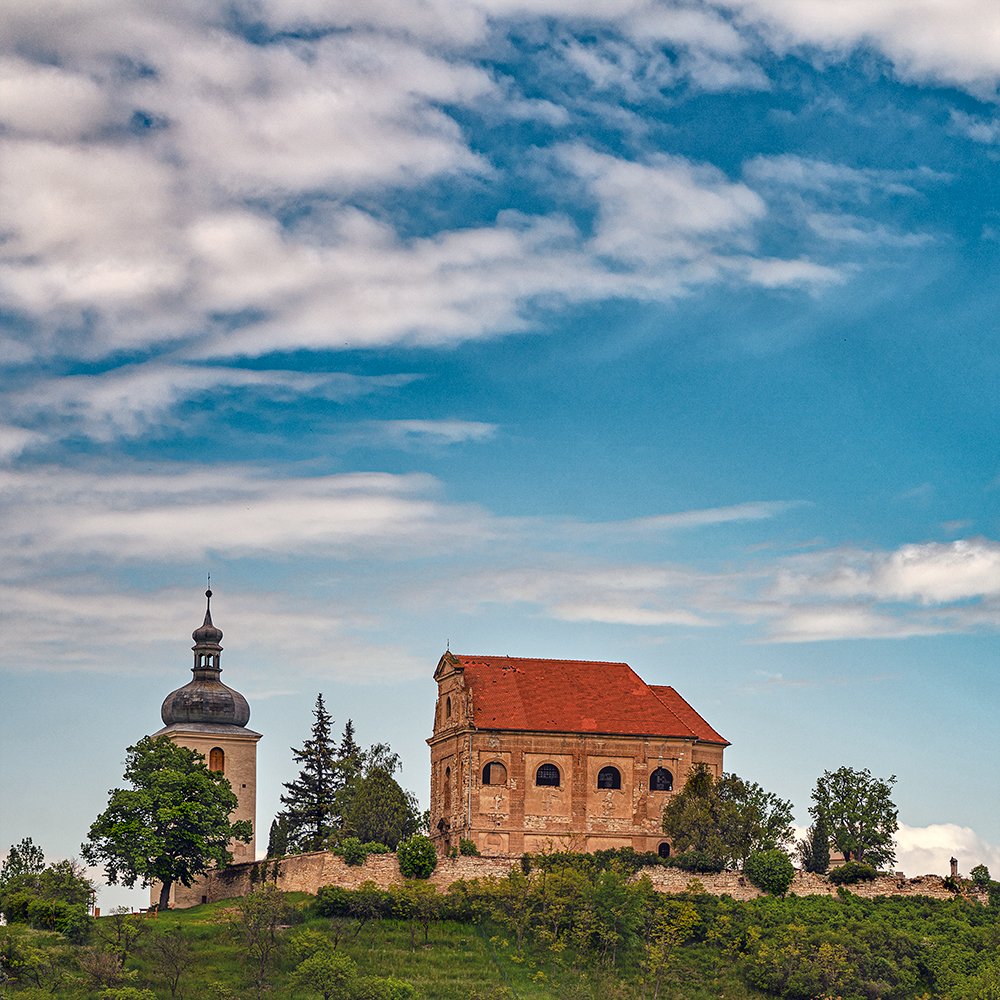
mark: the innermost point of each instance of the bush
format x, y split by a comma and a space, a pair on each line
417, 857
376, 848
696, 861
352, 851
467, 848
376, 988
771, 871
332, 901
851, 872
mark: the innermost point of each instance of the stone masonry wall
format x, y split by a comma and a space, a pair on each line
307, 872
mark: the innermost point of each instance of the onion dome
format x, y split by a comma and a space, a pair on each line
206, 698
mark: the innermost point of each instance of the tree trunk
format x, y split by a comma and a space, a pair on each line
164, 895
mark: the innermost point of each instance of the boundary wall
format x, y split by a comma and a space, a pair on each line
307, 872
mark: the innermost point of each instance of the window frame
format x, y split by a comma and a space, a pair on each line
547, 783
613, 774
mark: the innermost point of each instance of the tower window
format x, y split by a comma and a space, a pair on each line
495, 774
661, 780
547, 774
217, 760
663, 850
447, 708
610, 777
447, 792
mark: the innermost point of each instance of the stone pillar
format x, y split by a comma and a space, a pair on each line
954, 867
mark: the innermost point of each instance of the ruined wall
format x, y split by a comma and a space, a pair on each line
307, 872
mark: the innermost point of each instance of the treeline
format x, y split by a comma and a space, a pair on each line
342, 792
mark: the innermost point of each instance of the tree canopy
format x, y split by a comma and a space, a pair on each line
728, 819
859, 812
172, 825
342, 791
381, 811
310, 802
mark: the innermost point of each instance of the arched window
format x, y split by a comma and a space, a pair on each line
547, 774
610, 777
447, 792
447, 708
217, 760
663, 850
661, 780
494, 774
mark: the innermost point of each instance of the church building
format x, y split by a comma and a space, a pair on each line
207, 716
531, 755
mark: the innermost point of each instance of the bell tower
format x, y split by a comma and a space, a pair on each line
207, 716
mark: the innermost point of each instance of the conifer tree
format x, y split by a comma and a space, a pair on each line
815, 849
310, 800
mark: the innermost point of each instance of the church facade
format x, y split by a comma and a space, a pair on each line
207, 716
531, 755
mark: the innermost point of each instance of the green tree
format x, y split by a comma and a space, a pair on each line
727, 819
860, 812
255, 924
814, 849
381, 811
172, 825
327, 972
770, 870
25, 858
55, 897
277, 838
309, 802
417, 857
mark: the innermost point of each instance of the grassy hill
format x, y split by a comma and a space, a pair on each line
464, 945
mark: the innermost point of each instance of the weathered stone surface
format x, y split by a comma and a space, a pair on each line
307, 872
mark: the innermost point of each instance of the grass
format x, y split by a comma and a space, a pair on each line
456, 961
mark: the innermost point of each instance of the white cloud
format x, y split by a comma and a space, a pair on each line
930, 573
75, 617
140, 399
122, 237
402, 433
951, 41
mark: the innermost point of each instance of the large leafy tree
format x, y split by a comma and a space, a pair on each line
382, 811
309, 802
728, 819
172, 825
859, 812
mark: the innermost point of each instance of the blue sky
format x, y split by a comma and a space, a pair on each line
644, 331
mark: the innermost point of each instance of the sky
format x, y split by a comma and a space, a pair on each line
656, 332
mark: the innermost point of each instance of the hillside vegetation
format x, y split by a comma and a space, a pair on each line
565, 932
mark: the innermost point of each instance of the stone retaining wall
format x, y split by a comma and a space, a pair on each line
307, 872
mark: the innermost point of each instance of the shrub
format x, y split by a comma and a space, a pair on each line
376, 988
332, 901
352, 851
771, 871
851, 872
376, 848
417, 857
467, 848
980, 876
696, 861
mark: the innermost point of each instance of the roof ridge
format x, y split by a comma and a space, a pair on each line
536, 659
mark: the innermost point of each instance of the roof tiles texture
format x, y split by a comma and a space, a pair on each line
576, 696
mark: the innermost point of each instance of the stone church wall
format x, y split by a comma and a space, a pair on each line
307, 872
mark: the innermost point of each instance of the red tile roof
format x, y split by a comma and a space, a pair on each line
686, 713
576, 696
